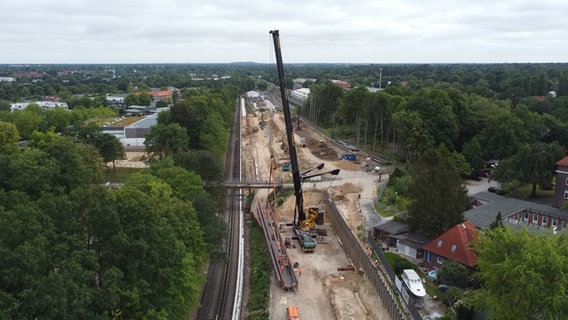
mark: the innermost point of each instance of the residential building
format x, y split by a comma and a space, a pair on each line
454, 244
561, 192
44, 105
7, 79
344, 84
515, 213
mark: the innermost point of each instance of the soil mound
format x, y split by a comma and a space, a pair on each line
347, 165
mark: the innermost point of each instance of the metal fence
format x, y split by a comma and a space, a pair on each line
363, 261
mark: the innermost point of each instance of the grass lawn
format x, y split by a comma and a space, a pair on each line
120, 175
524, 191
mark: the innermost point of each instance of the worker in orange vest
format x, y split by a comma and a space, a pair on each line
300, 271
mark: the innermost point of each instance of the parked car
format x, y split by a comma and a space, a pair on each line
492, 189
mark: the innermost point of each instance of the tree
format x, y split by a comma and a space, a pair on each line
352, 108
454, 274
439, 198
502, 136
473, 153
523, 274
111, 149
412, 135
27, 122
437, 113
145, 99
131, 100
533, 164
58, 118
9, 138
108, 146
71, 169
32, 171
165, 140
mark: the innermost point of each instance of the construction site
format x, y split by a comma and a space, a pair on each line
321, 283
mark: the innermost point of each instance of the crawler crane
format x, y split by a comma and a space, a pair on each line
301, 225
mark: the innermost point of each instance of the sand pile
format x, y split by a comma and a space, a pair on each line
347, 165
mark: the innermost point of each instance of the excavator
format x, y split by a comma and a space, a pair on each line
302, 224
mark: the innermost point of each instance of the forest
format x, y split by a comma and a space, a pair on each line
71, 248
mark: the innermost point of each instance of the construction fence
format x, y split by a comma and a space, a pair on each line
363, 260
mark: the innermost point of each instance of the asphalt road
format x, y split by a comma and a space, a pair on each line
474, 187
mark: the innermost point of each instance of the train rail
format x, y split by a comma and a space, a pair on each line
221, 297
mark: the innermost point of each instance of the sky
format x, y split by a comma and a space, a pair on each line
315, 31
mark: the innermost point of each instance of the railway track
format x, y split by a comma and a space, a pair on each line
221, 298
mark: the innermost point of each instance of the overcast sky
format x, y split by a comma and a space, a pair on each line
355, 31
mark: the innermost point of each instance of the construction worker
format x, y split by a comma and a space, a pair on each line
300, 271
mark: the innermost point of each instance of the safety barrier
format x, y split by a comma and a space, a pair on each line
363, 261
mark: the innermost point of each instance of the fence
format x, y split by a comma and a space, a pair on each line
363, 261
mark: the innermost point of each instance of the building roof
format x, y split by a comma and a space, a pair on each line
393, 227
454, 244
483, 216
563, 162
413, 240
161, 94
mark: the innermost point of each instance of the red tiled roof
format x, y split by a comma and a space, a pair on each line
461, 236
563, 162
163, 93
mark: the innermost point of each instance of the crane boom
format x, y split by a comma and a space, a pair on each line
299, 209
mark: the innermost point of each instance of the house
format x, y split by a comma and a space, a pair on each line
454, 244
561, 192
161, 95
515, 213
344, 84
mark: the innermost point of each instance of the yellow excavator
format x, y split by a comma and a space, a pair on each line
310, 222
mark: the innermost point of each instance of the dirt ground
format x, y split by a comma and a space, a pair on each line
324, 292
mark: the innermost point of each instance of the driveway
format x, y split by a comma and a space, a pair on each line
474, 187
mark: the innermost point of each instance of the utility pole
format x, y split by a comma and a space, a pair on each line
380, 78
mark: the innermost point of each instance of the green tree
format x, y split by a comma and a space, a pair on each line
108, 146
28, 121
58, 118
519, 281
473, 153
323, 103
71, 169
145, 99
9, 138
502, 136
410, 133
111, 149
534, 164
32, 171
438, 196
131, 100
454, 274
165, 140
352, 108
437, 112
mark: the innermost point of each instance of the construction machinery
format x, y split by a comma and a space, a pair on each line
293, 313
307, 242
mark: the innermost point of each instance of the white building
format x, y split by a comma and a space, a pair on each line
300, 95
44, 105
7, 79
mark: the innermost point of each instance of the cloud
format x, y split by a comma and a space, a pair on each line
408, 31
